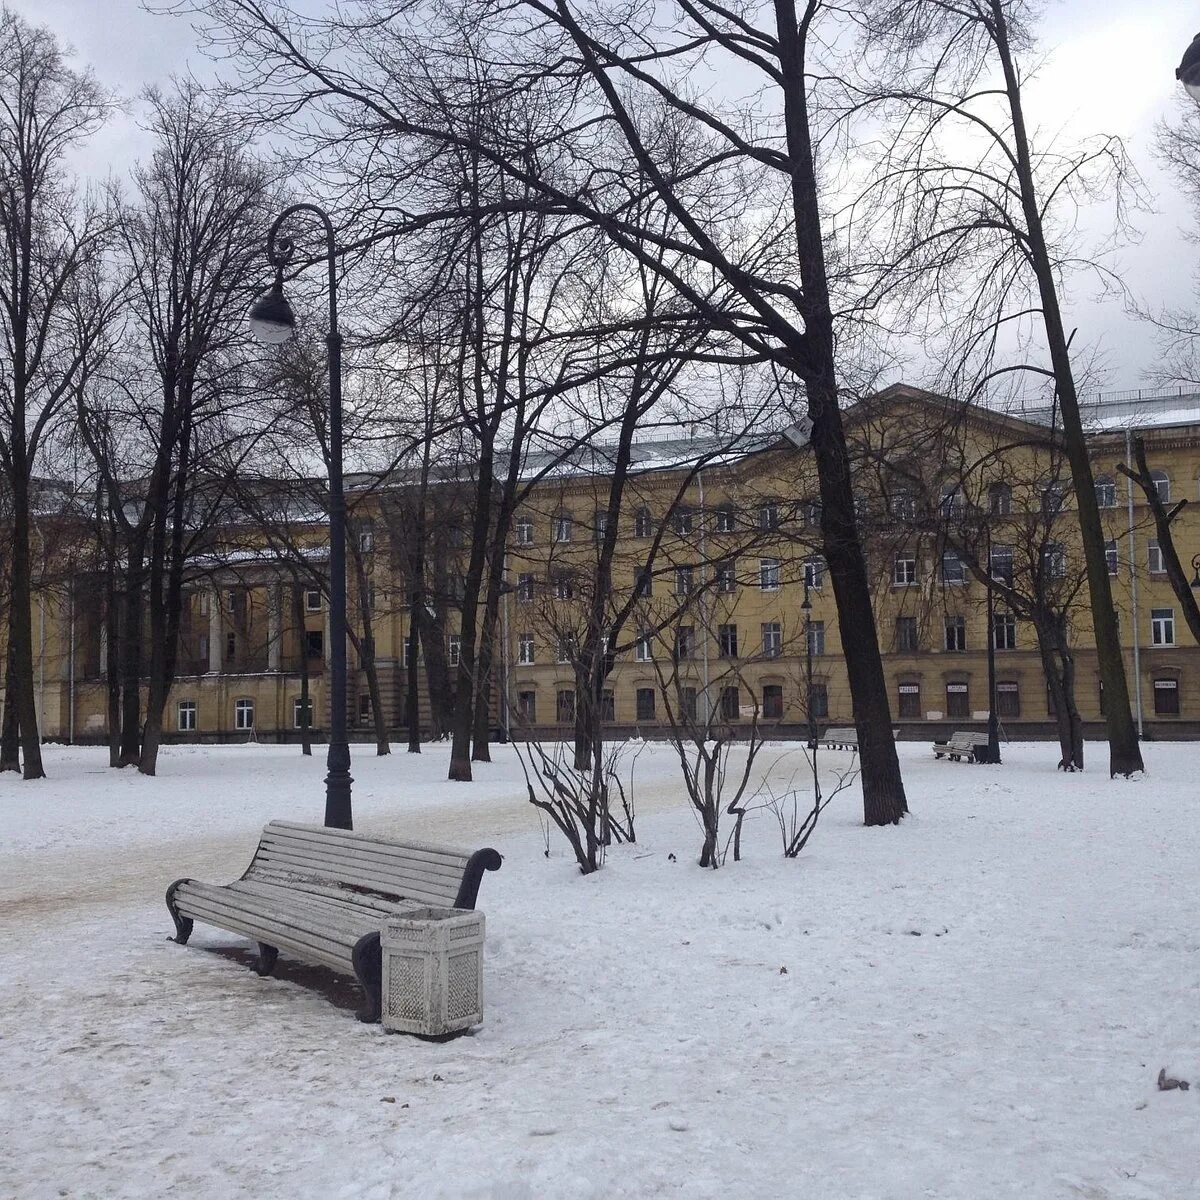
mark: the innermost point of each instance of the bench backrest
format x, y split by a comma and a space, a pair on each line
434, 875
842, 734
965, 737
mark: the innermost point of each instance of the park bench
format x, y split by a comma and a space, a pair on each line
323, 895
960, 745
843, 738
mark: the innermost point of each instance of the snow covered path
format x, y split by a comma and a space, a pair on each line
975, 1004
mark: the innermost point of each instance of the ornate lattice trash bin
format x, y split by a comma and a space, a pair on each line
433, 971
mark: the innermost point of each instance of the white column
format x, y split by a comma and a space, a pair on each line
273, 630
215, 646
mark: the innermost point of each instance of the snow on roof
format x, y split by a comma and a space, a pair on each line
1115, 411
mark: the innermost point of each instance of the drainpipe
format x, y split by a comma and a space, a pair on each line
1133, 589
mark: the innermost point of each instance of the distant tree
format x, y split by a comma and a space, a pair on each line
51, 317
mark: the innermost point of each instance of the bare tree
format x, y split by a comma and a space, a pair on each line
978, 207
744, 190
49, 239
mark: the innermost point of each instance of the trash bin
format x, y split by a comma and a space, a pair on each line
433, 971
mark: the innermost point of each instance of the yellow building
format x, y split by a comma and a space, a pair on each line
730, 533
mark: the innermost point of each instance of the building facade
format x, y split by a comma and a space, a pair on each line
717, 552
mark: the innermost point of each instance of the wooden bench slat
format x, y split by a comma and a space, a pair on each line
393, 884
334, 894
326, 836
327, 922
336, 854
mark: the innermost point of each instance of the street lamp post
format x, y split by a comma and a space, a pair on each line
1196, 572
272, 321
806, 608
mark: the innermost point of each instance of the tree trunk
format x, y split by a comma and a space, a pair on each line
884, 801
10, 733
1125, 755
366, 648
1059, 671
20, 627
131, 661
412, 689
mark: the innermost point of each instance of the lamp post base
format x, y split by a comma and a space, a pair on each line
337, 787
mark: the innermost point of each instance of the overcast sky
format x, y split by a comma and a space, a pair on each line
1109, 67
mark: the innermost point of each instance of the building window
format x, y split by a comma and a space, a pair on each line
910, 701
1106, 492
299, 709
685, 642
565, 706
366, 540
772, 639
1054, 559
907, 641
524, 531
1154, 558
187, 716
1162, 626
814, 571
645, 704
1004, 631
600, 524
527, 707
566, 648
772, 702
812, 514
1000, 500
687, 703
902, 505
608, 705
768, 574
1053, 497
953, 568
956, 633
525, 586
727, 577
230, 647
768, 515
314, 643
243, 714
685, 580
952, 503
562, 528
644, 646
957, 700
683, 520
454, 649
725, 518
364, 708
564, 588
1166, 697
904, 570
1008, 699
820, 701
816, 638
1001, 563
1162, 484
731, 704
525, 649
312, 601
643, 526
644, 586
727, 641
1110, 556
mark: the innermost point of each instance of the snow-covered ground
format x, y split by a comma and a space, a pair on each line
975, 1004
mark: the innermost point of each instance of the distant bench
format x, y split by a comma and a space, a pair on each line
960, 745
322, 895
843, 738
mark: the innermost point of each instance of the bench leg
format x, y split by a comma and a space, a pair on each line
266, 958
368, 966
183, 925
